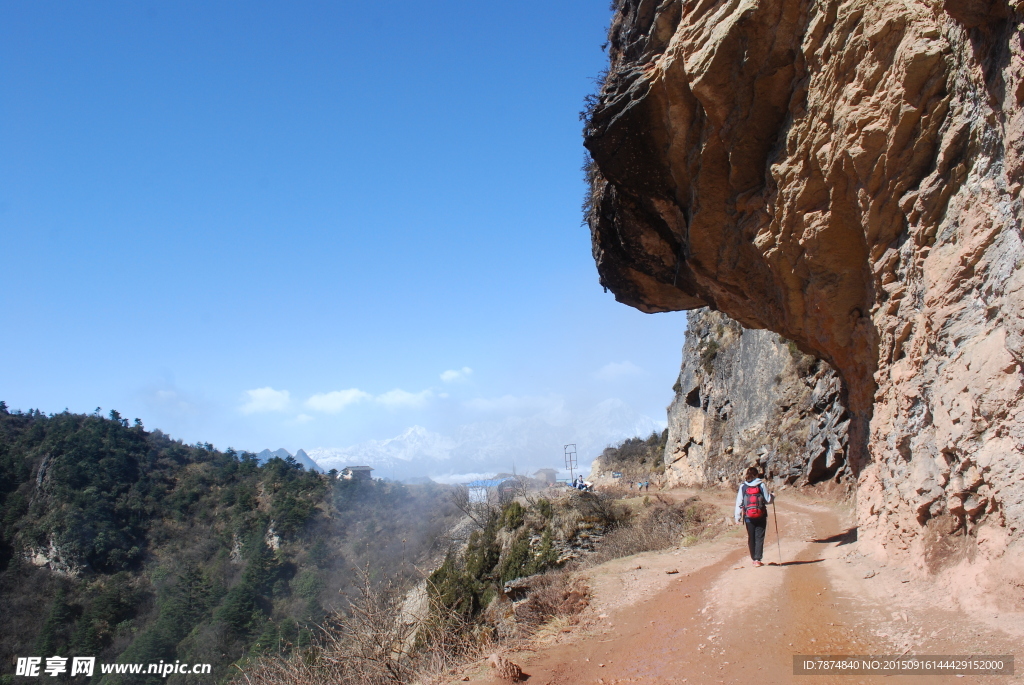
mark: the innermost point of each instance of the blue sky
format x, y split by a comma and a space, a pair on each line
217, 214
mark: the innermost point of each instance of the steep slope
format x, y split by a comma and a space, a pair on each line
746, 396
847, 174
123, 544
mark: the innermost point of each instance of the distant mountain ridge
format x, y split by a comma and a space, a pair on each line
523, 443
300, 456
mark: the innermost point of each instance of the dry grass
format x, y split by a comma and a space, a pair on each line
553, 595
583, 511
616, 491
658, 524
373, 643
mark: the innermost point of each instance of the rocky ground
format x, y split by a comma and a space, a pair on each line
703, 614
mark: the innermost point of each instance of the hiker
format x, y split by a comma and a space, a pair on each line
752, 506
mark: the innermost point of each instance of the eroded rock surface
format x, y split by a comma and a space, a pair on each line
748, 396
847, 174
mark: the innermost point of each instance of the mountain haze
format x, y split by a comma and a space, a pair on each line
124, 544
524, 443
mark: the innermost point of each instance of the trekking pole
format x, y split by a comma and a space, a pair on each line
779, 544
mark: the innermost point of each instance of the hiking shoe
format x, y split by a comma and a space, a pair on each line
758, 563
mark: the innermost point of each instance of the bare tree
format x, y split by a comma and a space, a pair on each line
373, 643
369, 638
479, 512
522, 487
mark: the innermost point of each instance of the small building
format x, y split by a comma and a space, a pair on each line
356, 473
548, 476
481, 491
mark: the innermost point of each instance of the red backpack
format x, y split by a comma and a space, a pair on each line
753, 502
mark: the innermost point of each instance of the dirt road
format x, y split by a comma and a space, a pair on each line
720, 620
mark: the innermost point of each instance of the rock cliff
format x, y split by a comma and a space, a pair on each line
847, 174
746, 396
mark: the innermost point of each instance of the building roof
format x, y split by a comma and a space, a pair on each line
358, 468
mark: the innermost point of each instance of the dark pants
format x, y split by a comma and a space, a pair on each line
755, 536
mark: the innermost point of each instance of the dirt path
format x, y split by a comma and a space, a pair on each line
719, 620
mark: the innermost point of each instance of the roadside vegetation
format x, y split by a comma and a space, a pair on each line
124, 544
517, 575
637, 459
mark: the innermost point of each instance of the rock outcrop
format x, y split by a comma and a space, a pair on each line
846, 173
746, 396
634, 460
505, 669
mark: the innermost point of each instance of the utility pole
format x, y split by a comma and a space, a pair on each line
570, 459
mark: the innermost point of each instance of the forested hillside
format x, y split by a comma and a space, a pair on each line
124, 544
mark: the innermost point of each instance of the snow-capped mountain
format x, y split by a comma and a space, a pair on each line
524, 443
398, 457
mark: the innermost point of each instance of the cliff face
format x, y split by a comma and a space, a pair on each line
848, 174
746, 396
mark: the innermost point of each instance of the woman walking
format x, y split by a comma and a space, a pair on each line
752, 507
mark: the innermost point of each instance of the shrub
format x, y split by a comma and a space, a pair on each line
708, 353
658, 525
636, 458
308, 585
512, 515
552, 594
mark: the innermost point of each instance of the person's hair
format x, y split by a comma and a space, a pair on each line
751, 473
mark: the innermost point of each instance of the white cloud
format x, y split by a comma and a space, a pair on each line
616, 370
334, 402
496, 443
266, 399
171, 402
456, 375
303, 418
402, 398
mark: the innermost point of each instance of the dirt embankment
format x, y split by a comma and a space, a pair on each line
703, 614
